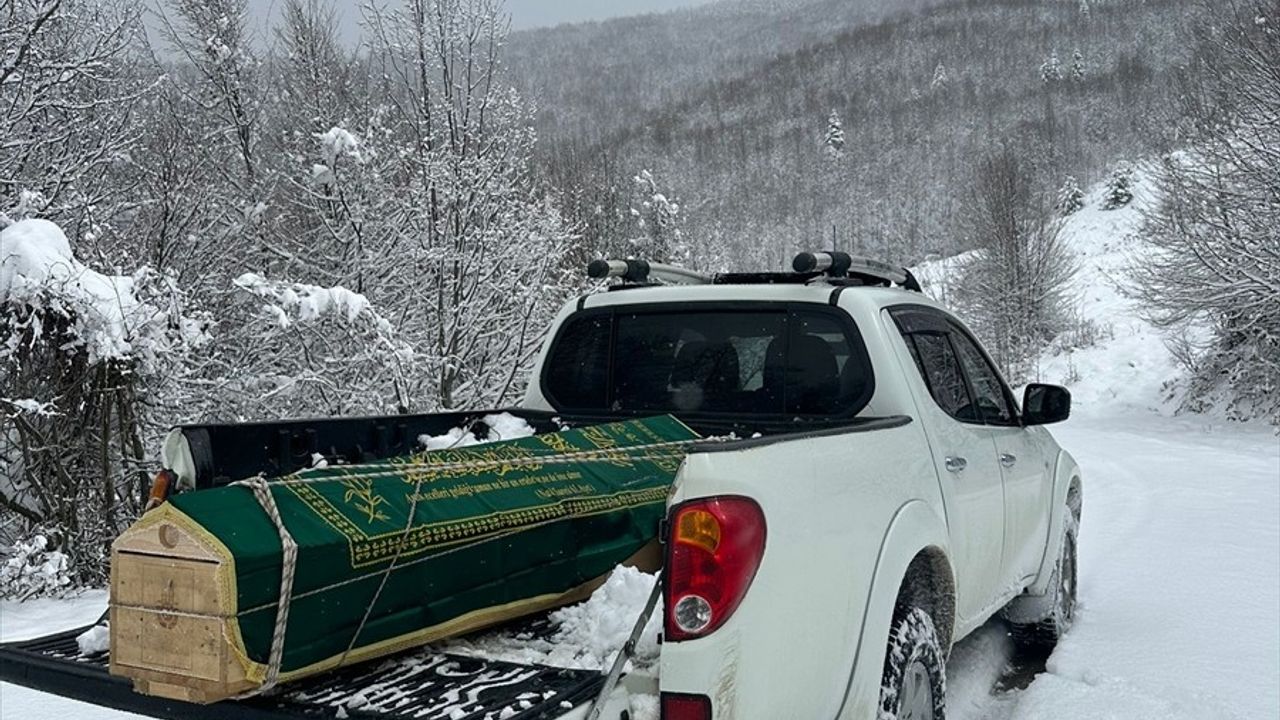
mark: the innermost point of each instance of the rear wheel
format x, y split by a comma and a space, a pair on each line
1061, 599
914, 686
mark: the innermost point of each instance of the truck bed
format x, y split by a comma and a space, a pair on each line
418, 685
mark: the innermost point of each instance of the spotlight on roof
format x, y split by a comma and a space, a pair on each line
865, 270
643, 272
636, 271
832, 263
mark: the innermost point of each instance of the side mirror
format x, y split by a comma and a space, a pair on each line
1045, 404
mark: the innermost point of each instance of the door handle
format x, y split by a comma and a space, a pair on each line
955, 464
1008, 460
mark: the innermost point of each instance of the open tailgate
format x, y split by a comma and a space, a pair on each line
418, 684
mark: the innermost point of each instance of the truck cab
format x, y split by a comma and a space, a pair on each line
881, 470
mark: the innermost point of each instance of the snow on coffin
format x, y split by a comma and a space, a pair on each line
497, 531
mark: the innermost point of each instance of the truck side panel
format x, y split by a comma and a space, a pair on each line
915, 529
1065, 473
829, 501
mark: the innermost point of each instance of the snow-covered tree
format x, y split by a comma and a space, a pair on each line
287, 349
833, 136
1216, 231
939, 81
358, 235
1084, 10
1119, 187
212, 36
85, 361
68, 81
1051, 69
314, 74
1078, 69
1070, 197
657, 218
1012, 288
472, 261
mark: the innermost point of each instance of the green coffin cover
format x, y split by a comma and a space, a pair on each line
496, 526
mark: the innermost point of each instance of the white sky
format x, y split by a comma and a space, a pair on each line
537, 13
524, 13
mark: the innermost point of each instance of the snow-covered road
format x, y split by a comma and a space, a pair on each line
1179, 588
1179, 612
19, 621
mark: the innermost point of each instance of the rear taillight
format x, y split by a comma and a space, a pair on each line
685, 707
713, 551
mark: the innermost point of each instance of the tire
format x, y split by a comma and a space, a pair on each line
1045, 633
914, 686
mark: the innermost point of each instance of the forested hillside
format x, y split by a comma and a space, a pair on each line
728, 107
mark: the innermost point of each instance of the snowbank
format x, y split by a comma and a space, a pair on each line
587, 635
41, 616
1128, 365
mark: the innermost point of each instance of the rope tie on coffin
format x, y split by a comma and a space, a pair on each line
395, 560
289, 565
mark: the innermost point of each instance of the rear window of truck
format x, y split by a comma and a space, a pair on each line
778, 360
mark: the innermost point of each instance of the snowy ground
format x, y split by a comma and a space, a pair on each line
1179, 582
20, 621
1179, 615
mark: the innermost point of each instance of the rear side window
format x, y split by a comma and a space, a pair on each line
776, 361
940, 367
581, 370
960, 378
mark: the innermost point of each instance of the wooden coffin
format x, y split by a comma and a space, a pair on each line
499, 531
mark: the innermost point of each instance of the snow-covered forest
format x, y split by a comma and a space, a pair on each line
207, 219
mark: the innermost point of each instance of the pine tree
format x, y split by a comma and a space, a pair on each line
1084, 10
1077, 66
1119, 187
940, 80
1051, 69
658, 220
833, 140
1070, 197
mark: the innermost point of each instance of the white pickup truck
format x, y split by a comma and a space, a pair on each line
887, 496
